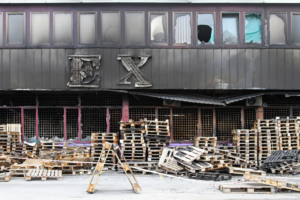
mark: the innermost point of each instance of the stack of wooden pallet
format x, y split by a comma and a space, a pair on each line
288, 130
205, 141
9, 141
268, 138
98, 139
157, 137
246, 142
133, 145
49, 147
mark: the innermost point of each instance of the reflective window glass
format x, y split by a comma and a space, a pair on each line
296, 28
63, 28
110, 30
15, 32
205, 28
40, 29
158, 28
87, 28
182, 28
230, 29
1, 28
134, 28
253, 28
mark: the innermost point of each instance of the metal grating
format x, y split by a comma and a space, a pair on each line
296, 112
144, 101
280, 100
185, 123
29, 123
114, 121
272, 113
10, 116
23, 100
93, 120
226, 121
51, 123
72, 124
137, 114
4, 100
163, 114
101, 99
207, 126
250, 117
58, 100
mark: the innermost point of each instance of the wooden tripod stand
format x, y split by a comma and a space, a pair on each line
101, 162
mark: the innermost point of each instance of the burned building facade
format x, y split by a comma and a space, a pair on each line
70, 69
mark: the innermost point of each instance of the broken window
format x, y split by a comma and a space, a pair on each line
40, 28
1, 28
253, 28
230, 28
135, 28
182, 28
16, 28
110, 22
296, 29
158, 27
277, 28
205, 28
87, 28
63, 28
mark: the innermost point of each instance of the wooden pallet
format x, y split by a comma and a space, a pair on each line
43, 174
249, 188
5, 176
242, 171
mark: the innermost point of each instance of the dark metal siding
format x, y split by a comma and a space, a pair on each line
167, 68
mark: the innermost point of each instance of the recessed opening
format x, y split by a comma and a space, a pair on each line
205, 28
204, 33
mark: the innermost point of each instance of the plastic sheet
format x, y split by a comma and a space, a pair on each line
253, 28
277, 29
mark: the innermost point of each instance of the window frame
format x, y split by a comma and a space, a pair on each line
173, 28
24, 28
101, 28
78, 28
196, 29
30, 28
292, 26
125, 41
262, 29
53, 31
149, 28
238, 28
286, 29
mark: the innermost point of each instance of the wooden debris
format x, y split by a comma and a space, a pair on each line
5, 176
242, 171
248, 188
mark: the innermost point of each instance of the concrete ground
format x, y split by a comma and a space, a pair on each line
114, 185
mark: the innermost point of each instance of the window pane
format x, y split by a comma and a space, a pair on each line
110, 28
63, 28
1, 28
87, 32
296, 29
253, 28
230, 29
205, 28
277, 29
135, 28
40, 29
158, 28
15, 29
182, 28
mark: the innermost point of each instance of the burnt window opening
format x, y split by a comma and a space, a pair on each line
204, 33
158, 28
278, 29
205, 28
182, 28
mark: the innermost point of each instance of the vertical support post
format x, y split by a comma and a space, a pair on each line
36, 123
171, 124
260, 113
156, 113
107, 120
291, 112
214, 122
125, 108
22, 123
199, 123
65, 123
243, 117
79, 123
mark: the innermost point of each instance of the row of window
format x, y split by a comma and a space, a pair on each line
110, 28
